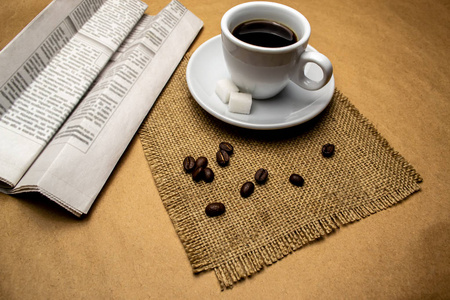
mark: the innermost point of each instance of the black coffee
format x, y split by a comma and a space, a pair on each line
265, 33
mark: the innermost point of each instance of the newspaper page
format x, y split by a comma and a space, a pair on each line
37, 98
77, 162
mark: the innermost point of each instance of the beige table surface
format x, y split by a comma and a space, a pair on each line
391, 58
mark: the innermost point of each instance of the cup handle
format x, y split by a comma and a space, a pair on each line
298, 74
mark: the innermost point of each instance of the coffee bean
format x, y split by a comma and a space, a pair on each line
189, 164
226, 147
261, 175
327, 150
247, 189
208, 175
222, 158
297, 180
198, 174
214, 209
201, 162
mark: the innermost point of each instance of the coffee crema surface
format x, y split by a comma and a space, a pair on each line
265, 33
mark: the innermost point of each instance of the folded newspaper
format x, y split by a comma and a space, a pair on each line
75, 85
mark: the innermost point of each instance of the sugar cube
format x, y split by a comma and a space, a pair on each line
240, 103
223, 89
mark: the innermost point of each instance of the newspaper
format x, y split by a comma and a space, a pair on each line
75, 85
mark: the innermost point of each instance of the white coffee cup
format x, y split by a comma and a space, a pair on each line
265, 71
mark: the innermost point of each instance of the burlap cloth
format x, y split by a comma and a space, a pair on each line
364, 176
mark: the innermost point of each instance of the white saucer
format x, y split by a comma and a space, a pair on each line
291, 107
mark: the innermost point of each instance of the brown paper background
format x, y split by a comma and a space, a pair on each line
391, 59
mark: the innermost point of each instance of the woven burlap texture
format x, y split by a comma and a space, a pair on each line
364, 176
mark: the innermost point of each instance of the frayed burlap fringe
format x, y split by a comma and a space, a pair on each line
230, 272
236, 245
